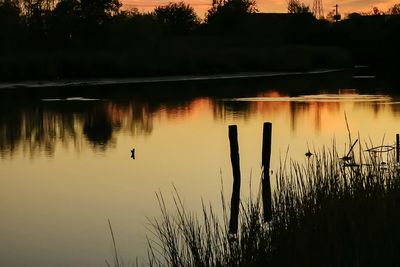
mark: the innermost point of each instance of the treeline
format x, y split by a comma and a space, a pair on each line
49, 39
54, 24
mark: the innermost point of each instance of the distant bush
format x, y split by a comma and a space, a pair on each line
180, 18
225, 15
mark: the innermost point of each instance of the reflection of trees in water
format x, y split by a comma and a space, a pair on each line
396, 108
35, 130
305, 109
223, 110
377, 106
269, 109
10, 130
134, 118
39, 129
97, 128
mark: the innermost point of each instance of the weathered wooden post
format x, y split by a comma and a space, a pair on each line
265, 183
397, 148
233, 140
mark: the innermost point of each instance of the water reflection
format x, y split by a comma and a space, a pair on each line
318, 107
81, 139
44, 120
98, 129
35, 130
40, 128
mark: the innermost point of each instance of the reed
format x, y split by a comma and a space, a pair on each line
328, 211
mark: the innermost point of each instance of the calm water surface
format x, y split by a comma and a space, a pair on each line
65, 165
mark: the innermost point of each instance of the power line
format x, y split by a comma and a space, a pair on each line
318, 9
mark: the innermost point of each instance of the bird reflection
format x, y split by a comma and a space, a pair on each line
133, 153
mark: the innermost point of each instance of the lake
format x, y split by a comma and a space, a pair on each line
66, 166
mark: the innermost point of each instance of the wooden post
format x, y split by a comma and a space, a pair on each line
266, 158
397, 148
233, 140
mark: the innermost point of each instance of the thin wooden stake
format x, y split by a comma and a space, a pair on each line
265, 183
233, 140
397, 148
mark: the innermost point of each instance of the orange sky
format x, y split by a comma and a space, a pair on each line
201, 6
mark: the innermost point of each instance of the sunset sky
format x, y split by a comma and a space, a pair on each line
201, 6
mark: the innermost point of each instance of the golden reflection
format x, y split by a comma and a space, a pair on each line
177, 141
185, 110
41, 130
79, 125
133, 118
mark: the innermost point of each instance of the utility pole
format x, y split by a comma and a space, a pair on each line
337, 16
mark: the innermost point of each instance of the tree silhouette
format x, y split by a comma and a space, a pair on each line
234, 6
376, 11
227, 14
395, 9
35, 12
296, 7
9, 13
65, 20
97, 12
10, 24
180, 18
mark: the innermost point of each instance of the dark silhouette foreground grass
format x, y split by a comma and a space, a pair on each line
326, 212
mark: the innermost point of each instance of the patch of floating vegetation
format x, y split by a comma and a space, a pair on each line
69, 99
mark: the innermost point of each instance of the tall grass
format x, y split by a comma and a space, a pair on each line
326, 212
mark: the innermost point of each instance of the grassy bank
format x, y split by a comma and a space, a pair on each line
170, 58
326, 212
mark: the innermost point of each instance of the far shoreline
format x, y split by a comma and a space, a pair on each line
160, 79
